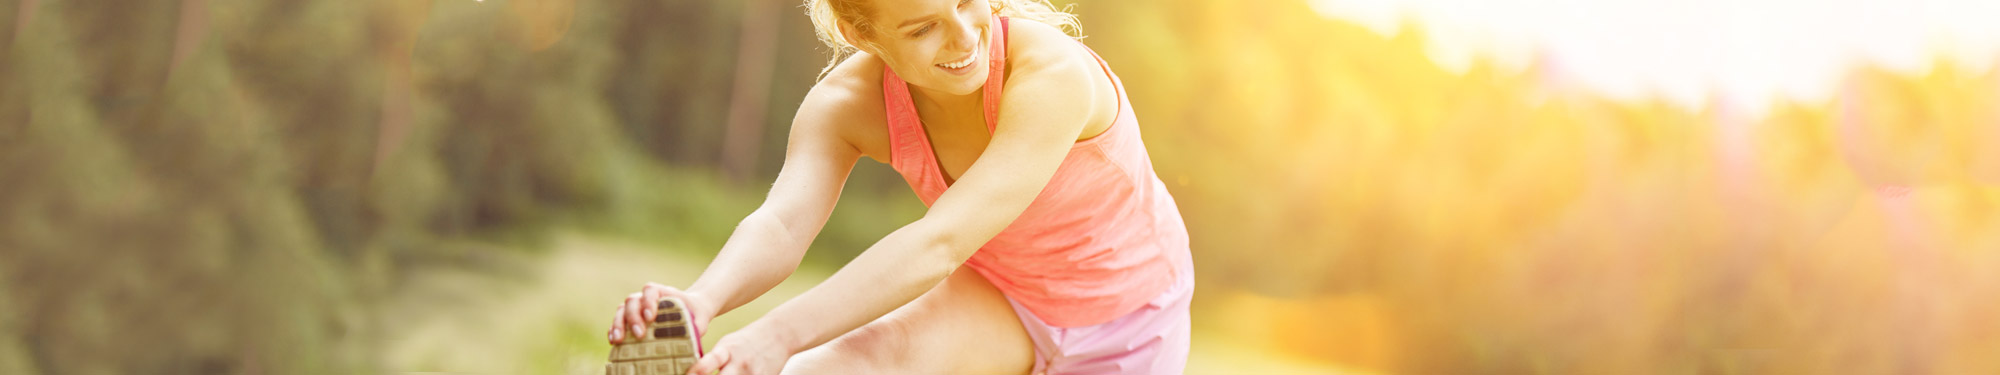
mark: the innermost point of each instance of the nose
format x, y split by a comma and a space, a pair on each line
965, 36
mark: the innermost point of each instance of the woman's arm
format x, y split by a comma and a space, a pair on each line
1047, 104
768, 244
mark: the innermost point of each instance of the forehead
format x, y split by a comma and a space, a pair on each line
891, 14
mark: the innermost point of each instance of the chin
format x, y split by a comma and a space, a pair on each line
973, 87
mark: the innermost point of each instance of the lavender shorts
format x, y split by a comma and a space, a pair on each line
1151, 340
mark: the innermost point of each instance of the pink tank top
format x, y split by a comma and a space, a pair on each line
1101, 239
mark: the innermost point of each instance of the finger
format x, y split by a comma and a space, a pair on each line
711, 363
651, 295
656, 291
633, 320
617, 321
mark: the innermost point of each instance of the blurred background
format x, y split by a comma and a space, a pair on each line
1426, 187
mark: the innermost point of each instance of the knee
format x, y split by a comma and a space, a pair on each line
882, 346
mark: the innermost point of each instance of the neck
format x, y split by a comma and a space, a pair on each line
941, 100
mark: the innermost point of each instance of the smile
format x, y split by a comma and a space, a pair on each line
960, 64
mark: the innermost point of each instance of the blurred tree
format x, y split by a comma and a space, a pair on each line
262, 173
749, 95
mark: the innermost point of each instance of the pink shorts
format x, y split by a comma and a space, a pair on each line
1151, 340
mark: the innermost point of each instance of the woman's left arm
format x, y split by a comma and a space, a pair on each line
1048, 101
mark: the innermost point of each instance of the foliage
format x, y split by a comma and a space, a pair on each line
216, 186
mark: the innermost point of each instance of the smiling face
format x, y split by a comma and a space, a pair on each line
934, 44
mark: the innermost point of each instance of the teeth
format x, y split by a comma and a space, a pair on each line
957, 64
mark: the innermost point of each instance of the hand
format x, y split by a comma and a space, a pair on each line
745, 352
636, 313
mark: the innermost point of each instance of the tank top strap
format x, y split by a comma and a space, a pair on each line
905, 132
995, 76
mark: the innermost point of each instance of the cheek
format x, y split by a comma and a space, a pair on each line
915, 62
922, 54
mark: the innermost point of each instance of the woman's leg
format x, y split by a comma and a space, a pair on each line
962, 326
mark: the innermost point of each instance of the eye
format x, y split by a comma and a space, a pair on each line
922, 30
961, 3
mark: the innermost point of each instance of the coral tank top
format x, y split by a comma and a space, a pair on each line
1101, 239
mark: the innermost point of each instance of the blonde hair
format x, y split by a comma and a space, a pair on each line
833, 20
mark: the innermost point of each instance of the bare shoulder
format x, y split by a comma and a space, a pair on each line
853, 87
848, 103
1057, 67
1034, 45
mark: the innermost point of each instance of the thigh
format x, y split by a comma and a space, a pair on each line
962, 326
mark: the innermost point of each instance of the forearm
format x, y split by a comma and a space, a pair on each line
896, 270
761, 253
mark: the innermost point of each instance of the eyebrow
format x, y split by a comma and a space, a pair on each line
906, 24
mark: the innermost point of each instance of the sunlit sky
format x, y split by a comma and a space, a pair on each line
1745, 51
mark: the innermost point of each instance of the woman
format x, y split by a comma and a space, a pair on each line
1078, 258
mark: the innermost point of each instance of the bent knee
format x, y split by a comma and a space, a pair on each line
882, 346
884, 340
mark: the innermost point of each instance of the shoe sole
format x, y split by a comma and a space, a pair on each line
670, 349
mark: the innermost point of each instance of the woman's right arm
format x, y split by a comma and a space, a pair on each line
769, 243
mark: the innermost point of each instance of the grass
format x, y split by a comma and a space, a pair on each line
549, 316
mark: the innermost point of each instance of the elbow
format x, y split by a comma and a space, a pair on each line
945, 249
774, 226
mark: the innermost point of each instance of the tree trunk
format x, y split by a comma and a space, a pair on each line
756, 52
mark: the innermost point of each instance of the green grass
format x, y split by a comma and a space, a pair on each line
550, 316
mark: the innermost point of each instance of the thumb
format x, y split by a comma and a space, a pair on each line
711, 363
